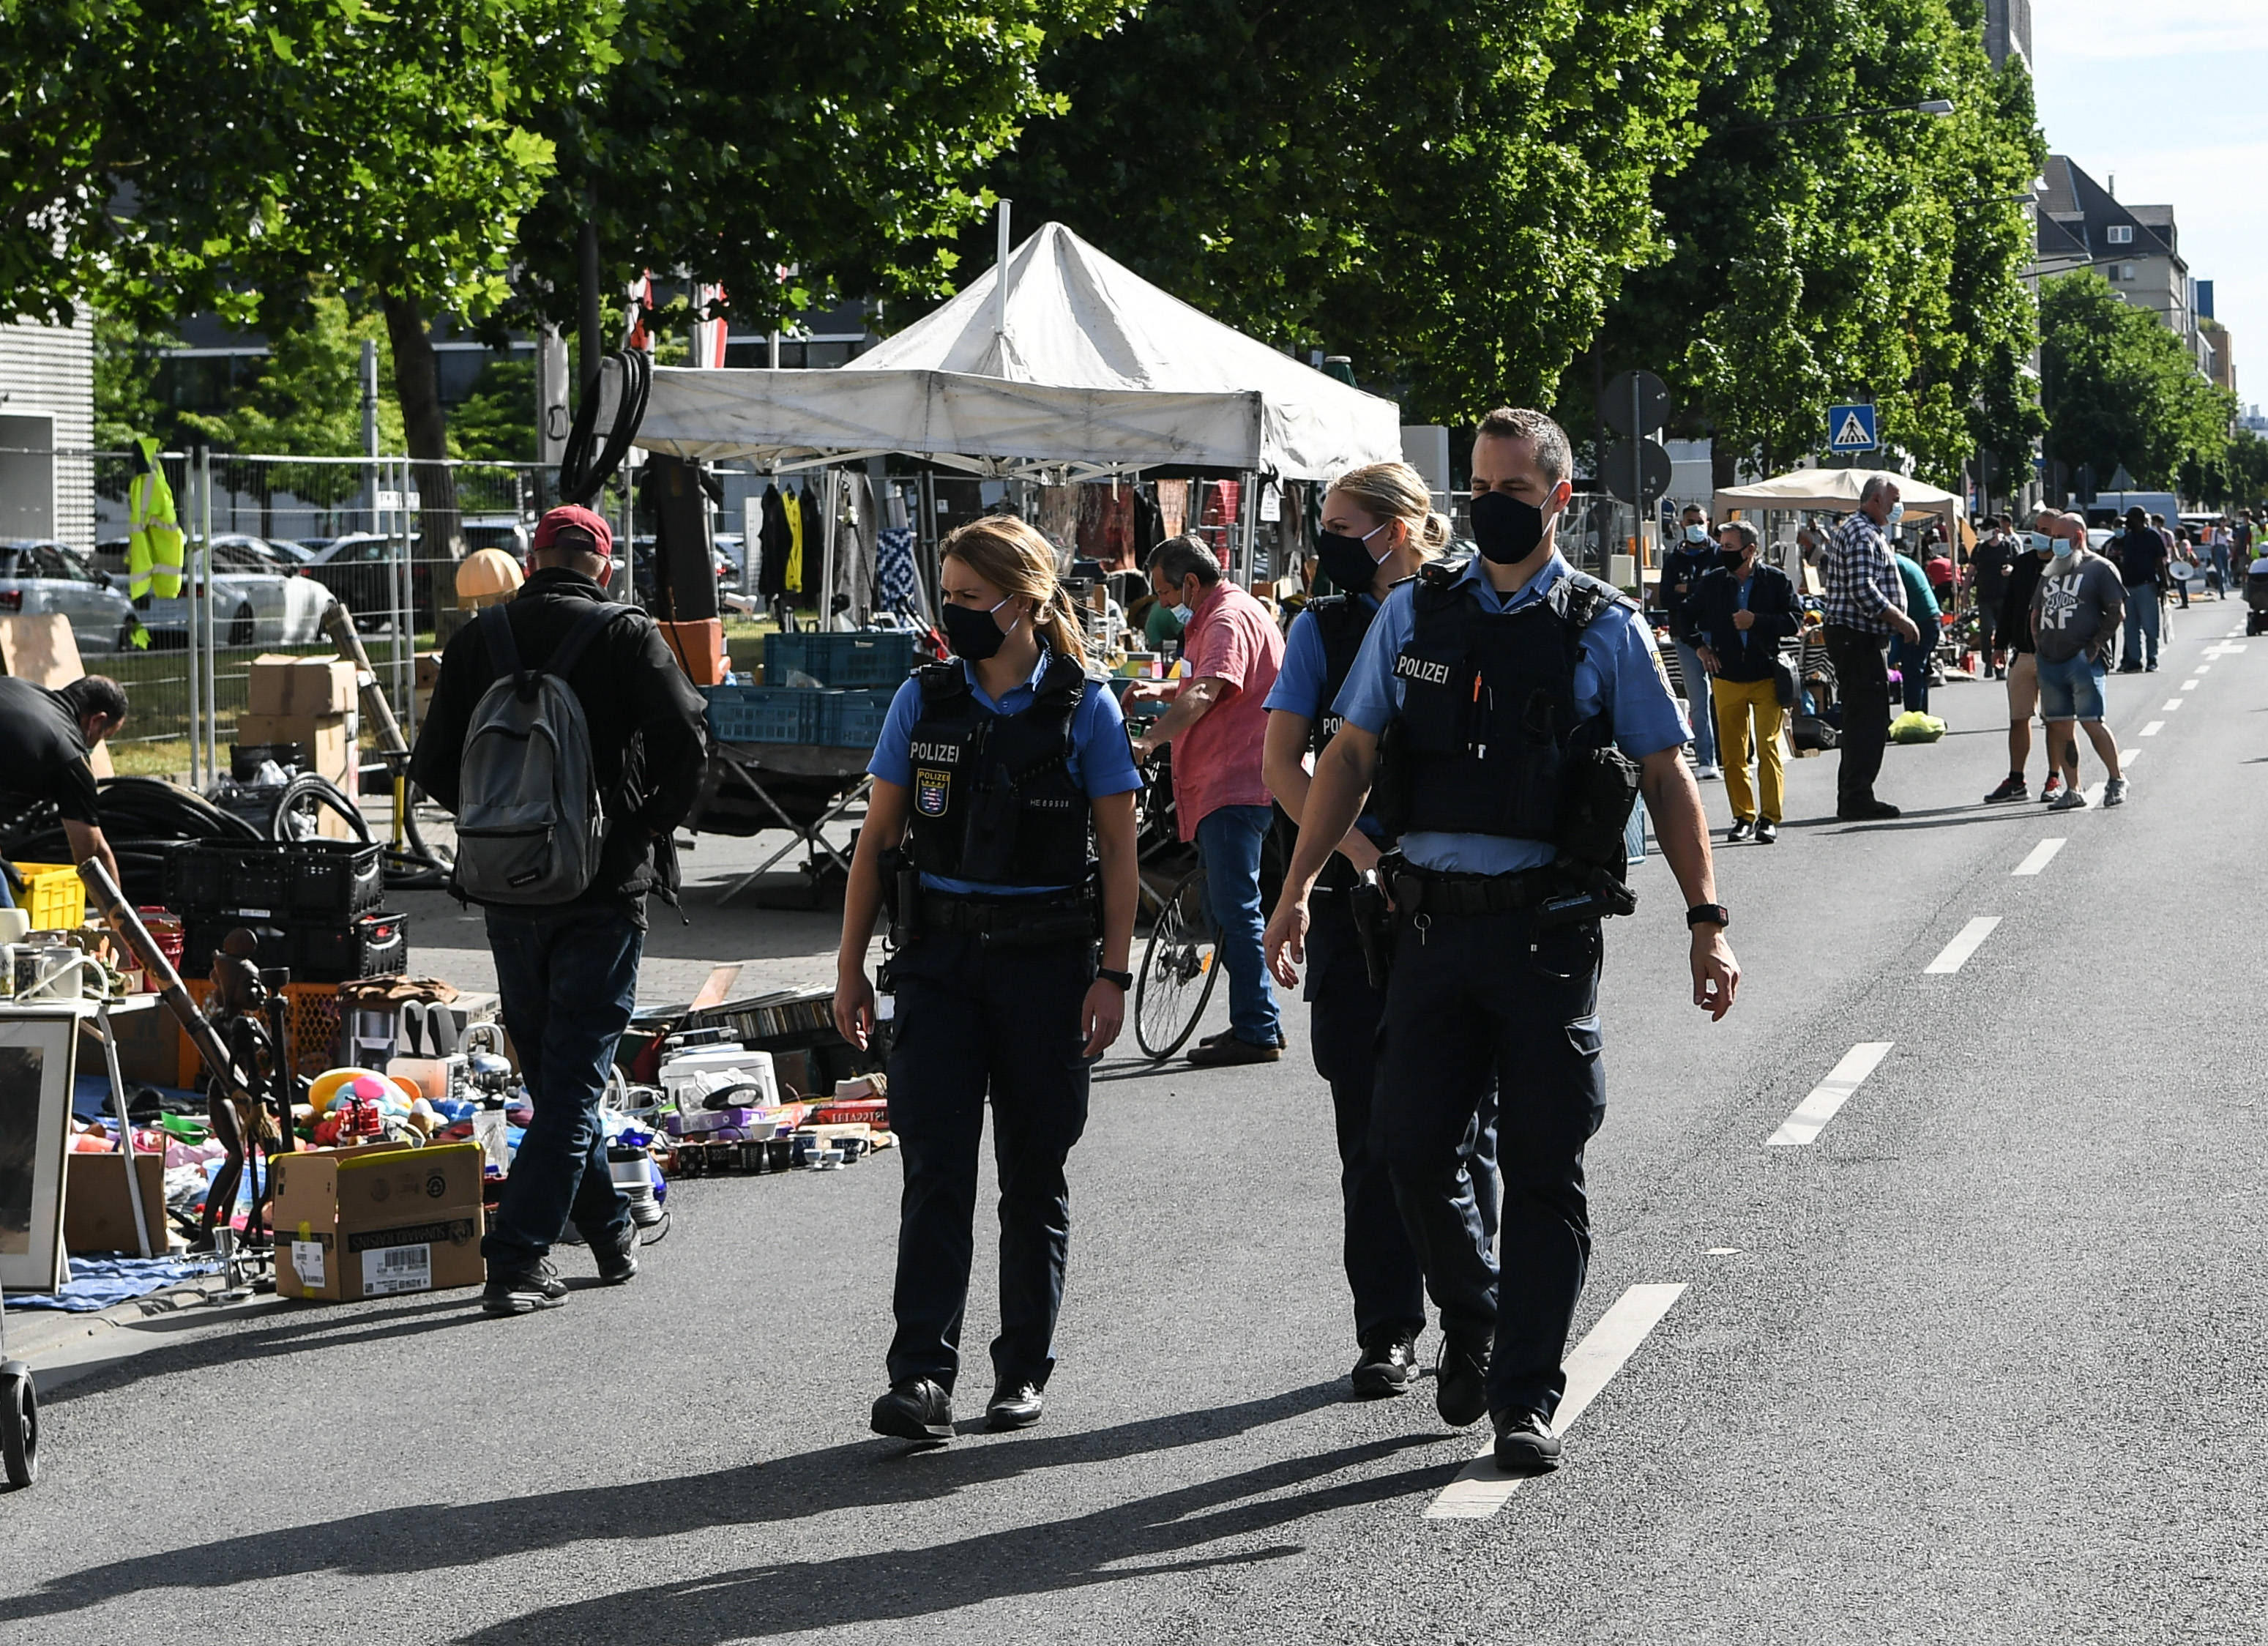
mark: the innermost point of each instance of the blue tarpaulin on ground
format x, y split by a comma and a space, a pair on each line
99, 1282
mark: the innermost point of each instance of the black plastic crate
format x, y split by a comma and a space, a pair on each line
340, 949
279, 880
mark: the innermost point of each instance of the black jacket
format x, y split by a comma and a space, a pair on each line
2140, 554
1749, 656
2015, 628
1686, 563
649, 739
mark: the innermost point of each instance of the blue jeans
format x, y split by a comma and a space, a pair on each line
2141, 624
2220, 569
1228, 840
568, 978
1697, 705
2070, 690
1910, 658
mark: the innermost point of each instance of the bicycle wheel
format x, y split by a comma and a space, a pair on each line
19, 1430
1178, 970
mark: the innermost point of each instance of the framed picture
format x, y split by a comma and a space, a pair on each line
36, 1053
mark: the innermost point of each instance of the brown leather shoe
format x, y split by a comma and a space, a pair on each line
1231, 1052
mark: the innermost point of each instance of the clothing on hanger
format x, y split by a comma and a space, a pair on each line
792, 579
774, 543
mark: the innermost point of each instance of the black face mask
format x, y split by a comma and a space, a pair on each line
973, 633
1729, 559
1346, 561
1507, 529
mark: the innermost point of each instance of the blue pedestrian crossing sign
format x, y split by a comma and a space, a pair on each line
1850, 428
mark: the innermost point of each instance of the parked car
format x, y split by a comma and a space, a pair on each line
361, 569
41, 575
257, 600
507, 532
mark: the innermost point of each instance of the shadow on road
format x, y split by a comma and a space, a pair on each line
1134, 1538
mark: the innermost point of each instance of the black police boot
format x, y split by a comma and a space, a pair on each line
1460, 1382
1525, 1444
1387, 1366
915, 1409
1016, 1403
523, 1288
617, 1259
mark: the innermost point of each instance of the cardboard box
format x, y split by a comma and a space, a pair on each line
97, 1216
373, 1222
282, 684
149, 1047
41, 648
330, 739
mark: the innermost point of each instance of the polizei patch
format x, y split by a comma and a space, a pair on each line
943, 754
931, 790
1424, 671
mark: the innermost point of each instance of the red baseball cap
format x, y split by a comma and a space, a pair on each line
579, 518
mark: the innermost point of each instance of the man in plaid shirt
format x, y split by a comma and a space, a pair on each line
1864, 603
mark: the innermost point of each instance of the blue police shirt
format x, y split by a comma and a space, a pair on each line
1102, 760
1298, 688
1616, 666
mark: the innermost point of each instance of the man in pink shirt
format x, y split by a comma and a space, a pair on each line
1216, 724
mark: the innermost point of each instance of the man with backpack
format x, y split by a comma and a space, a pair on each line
570, 744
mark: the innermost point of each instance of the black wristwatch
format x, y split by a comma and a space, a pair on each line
1123, 979
1714, 914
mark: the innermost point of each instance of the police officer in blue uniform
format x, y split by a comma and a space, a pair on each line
1518, 709
1007, 775
1378, 528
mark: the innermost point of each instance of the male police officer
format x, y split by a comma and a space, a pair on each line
1509, 697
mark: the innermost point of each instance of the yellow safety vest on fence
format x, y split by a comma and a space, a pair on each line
153, 554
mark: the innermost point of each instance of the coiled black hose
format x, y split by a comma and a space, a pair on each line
141, 818
313, 785
580, 479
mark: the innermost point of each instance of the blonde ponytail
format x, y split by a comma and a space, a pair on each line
1012, 557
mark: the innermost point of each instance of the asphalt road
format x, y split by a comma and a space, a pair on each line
1980, 1362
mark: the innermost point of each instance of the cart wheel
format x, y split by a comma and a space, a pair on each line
1179, 968
20, 1428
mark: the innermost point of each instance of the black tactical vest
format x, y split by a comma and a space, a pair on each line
1488, 723
993, 798
1341, 621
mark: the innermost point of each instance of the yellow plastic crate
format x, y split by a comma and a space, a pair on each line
55, 897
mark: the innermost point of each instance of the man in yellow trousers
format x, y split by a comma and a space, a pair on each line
1736, 622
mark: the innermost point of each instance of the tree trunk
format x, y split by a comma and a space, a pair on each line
418, 384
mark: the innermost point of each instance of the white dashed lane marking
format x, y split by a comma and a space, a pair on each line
2187, 685
2039, 856
2151, 730
1812, 1115
1954, 953
1480, 1488
2171, 705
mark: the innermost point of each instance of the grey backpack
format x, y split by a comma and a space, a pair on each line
530, 822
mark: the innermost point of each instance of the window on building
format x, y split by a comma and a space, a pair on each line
2122, 234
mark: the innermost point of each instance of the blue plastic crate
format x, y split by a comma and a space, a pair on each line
853, 720
870, 657
762, 715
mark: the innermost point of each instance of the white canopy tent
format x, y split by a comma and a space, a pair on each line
1078, 368
1838, 489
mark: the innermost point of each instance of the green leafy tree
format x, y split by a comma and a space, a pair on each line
788, 152
1450, 194
126, 403
2122, 389
1820, 252
169, 158
496, 420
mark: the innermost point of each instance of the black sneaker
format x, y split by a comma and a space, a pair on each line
1387, 1365
1866, 811
1741, 829
1226, 1053
1767, 831
1460, 1383
524, 1290
618, 1260
1525, 1444
2052, 787
2012, 787
915, 1409
1016, 1403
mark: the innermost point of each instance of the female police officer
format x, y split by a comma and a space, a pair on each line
1379, 528
1008, 773
1499, 688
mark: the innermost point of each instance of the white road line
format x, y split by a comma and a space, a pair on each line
1952, 956
2040, 856
2151, 730
2202, 669
1812, 1115
2128, 756
2171, 705
2187, 685
1480, 1488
